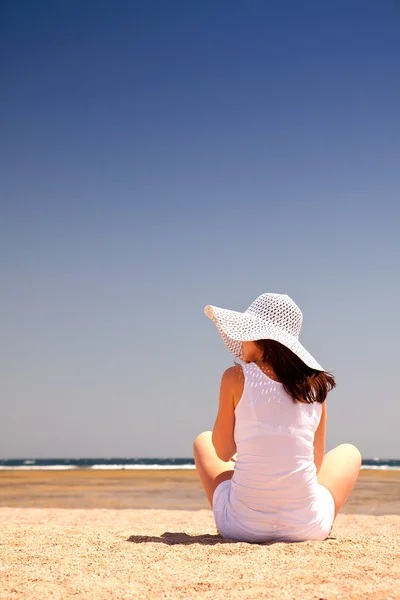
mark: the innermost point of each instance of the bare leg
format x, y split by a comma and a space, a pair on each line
339, 472
210, 469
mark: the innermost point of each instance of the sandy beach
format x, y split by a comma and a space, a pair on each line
104, 553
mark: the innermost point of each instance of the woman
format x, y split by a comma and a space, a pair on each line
263, 466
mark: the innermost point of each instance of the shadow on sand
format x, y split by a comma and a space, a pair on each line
172, 538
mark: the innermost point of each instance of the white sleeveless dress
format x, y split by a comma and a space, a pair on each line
273, 494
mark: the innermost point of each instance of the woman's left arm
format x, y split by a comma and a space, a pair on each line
222, 436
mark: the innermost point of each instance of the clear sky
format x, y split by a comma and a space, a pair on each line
159, 156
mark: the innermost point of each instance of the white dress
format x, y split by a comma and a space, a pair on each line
273, 494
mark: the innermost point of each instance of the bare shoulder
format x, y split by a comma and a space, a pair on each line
233, 375
233, 378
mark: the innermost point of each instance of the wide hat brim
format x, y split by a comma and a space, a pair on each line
236, 327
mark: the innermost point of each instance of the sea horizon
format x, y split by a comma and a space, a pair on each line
144, 463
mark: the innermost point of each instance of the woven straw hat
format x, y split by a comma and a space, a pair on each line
270, 317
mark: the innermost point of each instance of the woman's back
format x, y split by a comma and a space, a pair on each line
274, 475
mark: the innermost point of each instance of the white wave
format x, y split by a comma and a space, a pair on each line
152, 467
37, 468
143, 467
379, 468
98, 467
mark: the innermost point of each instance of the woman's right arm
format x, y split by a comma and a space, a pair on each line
319, 439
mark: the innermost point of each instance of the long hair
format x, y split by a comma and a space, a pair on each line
300, 381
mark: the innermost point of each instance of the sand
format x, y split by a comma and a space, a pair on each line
376, 492
107, 535
104, 554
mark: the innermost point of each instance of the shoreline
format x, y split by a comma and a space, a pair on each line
155, 467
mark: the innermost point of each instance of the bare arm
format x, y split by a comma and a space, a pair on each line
223, 432
319, 439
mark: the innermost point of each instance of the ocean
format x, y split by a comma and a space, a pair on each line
142, 463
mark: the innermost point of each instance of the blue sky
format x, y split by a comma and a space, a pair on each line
156, 157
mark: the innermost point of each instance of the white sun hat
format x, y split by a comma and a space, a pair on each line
270, 317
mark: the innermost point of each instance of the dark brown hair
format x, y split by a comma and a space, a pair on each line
300, 381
